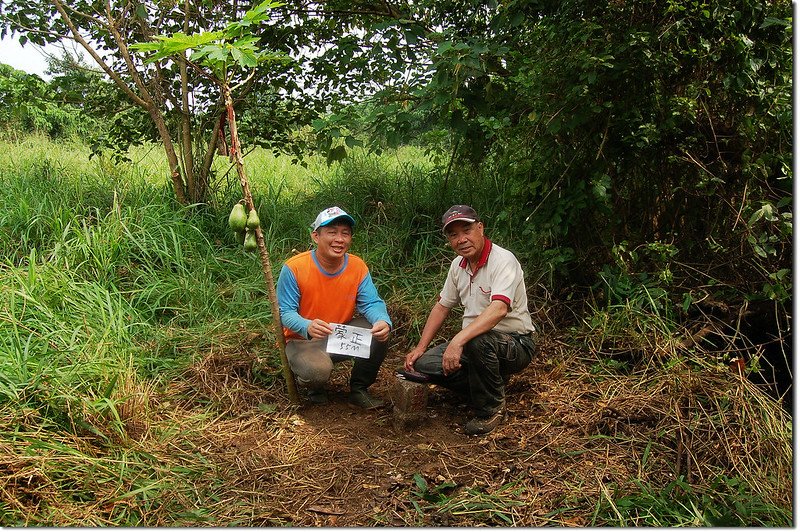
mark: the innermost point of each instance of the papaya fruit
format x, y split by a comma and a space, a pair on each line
237, 220
250, 243
239, 235
252, 220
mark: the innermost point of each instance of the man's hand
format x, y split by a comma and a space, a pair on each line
380, 330
451, 358
412, 357
319, 329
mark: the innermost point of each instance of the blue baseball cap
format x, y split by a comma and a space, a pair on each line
329, 215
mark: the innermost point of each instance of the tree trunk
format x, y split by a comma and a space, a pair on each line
196, 194
144, 99
172, 157
266, 265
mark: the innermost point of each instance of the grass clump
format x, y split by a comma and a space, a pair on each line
726, 502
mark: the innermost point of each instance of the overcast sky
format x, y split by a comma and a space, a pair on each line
28, 58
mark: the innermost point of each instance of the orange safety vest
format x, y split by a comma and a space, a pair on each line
328, 297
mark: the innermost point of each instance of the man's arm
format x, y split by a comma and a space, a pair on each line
434, 322
484, 322
373, 308
289, 302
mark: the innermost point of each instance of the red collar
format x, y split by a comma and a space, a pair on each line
487, 248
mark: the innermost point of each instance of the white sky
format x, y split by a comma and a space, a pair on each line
29, 58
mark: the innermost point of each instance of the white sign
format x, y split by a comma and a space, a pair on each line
349, 340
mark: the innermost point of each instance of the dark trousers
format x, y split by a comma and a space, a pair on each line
312, 365
485, 363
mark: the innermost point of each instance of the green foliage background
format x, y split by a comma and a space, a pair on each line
632, 152
623, 123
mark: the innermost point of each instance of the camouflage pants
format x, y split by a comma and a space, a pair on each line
486, 363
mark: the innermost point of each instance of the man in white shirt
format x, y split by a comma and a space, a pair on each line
496, 338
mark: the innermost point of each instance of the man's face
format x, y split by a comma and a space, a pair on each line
333, 241
466, 239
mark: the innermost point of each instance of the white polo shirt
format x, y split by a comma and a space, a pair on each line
498, 277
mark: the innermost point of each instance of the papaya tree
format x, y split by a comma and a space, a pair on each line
217, 56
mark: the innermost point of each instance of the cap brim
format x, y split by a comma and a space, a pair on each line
460, 219
345, 216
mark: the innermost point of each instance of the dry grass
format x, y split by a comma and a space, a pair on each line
221, 448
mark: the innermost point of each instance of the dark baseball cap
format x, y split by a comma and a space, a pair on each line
463, 213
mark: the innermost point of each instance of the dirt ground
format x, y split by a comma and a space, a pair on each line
567, 441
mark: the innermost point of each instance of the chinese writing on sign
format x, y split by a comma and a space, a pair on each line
349, 340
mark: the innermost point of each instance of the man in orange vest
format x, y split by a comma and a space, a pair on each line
328, 285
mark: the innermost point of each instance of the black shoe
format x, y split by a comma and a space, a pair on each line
364, 400
317, 397
484, 425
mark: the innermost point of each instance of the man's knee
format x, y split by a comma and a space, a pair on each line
378, 350
312, 375
311, 367
480, 350
431, 361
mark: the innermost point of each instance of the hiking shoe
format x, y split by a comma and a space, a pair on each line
484, 425
364, 400
317, 397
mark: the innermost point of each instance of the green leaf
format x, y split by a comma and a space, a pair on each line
765, 212
772, 21
248, 59
175, 45
218, 52
336, 154
236, 54
268, 408
246, 42
444, 47
351, 141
